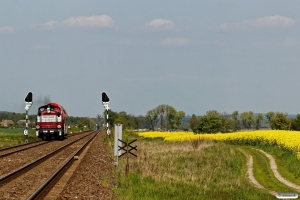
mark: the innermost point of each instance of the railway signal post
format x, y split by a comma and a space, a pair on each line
28, 103
105, 101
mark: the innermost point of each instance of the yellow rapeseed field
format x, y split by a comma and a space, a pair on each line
286, 139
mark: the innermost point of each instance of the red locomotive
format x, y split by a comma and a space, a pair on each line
51, 122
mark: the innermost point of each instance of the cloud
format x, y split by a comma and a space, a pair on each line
160, 25
175, 42
95, 21
45, 26
275, 21
7, 29
102, 21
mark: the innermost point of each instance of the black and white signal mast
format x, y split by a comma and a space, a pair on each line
28, 103
105, 101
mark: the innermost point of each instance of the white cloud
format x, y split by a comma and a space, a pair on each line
95, 21
275, 21
175, 42
103, 21
160, 25
45, 26
7, 29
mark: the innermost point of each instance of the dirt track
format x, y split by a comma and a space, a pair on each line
273, 168
276, 173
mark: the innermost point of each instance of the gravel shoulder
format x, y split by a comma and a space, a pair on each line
93, 178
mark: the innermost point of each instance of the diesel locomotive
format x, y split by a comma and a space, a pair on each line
51, 122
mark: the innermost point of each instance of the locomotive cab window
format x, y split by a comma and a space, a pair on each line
47, 109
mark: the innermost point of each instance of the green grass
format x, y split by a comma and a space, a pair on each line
287, 162
12, 137
175, 170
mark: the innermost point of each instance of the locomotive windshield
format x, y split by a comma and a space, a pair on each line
47, 108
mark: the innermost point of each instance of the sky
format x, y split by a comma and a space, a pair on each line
196, 56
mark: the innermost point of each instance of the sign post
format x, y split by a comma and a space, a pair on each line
117, 141
28, 103
127, 145
105, 101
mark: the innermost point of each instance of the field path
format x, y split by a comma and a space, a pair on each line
276, 173
250, 173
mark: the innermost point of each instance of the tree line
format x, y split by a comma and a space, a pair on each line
162, 117
214, 122
76, 122
167, 118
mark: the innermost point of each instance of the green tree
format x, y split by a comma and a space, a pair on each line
127, 121
227, 123
280, 121
247, 119
194, 123
258, 120
178, 119
151, 117
100, 120
235, 117
209, 124
161, 110
112, 117
270, 115
143, 123
296, 123
171, 117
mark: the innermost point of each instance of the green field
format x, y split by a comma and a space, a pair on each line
11, 137
183, 170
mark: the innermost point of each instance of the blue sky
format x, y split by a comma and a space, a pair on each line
222, 55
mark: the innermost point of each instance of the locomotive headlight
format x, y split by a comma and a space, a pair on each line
37, 127
58, 126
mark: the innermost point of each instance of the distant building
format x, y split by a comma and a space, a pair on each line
7, 123
23, 121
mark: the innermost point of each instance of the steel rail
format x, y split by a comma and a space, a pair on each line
8, 177
26, 148
39, 141
20, 145
45, 188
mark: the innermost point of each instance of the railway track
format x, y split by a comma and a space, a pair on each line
22, 147
35, 179
20, 183
19, 148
